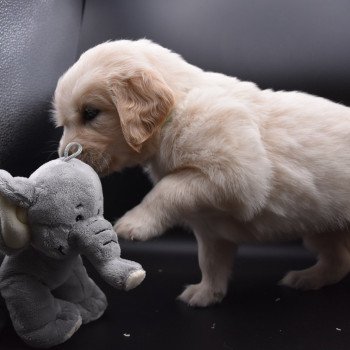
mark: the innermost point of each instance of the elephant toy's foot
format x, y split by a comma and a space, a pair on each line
66, 323
134, 279
94, 306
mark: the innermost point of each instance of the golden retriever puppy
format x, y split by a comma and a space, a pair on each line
235, 163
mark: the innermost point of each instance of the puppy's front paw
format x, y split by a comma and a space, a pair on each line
201, 295
137, 224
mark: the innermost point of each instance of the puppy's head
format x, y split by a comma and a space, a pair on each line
112, 101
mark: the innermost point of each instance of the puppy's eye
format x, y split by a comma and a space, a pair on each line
90, 113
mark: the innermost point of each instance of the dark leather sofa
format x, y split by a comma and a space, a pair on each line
302, 45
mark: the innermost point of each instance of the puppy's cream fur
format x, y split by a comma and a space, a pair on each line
235, 163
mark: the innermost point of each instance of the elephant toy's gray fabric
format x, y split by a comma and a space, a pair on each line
59, 211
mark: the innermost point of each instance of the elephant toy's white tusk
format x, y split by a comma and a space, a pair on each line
14, 228
22, 215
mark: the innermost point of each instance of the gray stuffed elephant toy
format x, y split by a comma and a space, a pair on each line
47, 221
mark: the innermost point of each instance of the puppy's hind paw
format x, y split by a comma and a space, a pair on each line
303, 280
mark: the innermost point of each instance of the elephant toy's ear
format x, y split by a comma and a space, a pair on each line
18, 190
16, 196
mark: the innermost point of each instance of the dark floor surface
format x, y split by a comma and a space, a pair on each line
256, 314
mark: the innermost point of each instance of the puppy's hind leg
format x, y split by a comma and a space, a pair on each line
215, 257
333, 262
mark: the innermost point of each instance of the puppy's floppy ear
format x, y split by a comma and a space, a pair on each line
143, 100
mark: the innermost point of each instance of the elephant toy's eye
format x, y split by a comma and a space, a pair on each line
79, 217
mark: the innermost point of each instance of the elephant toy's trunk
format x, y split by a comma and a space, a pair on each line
96, 239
